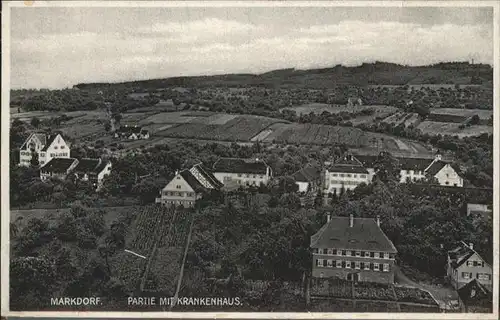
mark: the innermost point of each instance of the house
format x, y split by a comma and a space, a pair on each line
188, 186
132, 133
46, 146
93, 170
345, 173
242, 172
465, 264
308, 179
57, 168
354, 249
415, 169
475, 297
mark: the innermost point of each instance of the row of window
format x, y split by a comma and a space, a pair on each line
343, 182
349, 175
479, 276
62, 147
359, 265
179, 194
179, 202
352, 253
253, 176
411, 172
53, 155
475, 263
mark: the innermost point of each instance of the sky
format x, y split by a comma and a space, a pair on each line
60, 47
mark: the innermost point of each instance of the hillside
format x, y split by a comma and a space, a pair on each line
378, 73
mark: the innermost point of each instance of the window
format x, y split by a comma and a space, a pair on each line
324, 263
178, 186
330, 251
446, 182
470, 263
358, 254
357, 265
392, 255
338, 263
348, 264
386, 255
483, 276
248, 176
330, 263
63, 147
51, 155
341, 175
349, 253
315, 250
42, 154
339, 252
363, 265
362, 176
343, 252
466, 275
386, 267
376, 267
349, 175
239, 175
56, 147
334, 175
375, 254
178, 178
319, 262
367, 254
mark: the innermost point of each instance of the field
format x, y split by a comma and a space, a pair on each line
318, 108
443, 128
483, 114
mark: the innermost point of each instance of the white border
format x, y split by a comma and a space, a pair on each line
5, 206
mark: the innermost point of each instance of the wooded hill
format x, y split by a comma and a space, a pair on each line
378, 73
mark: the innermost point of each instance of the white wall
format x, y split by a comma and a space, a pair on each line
447, 176
242, 178
335, 180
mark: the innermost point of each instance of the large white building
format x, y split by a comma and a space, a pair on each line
45, 146
345, 173
242, 172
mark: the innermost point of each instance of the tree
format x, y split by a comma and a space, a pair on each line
107, 126
34, 159
387, 168
35, 122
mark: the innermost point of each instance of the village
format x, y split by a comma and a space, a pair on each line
348, 254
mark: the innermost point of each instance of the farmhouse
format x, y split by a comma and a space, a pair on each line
354, 249
243, 172
465, 264
308, 179
346, 173
58, 168
481, 209
131, 133
188, 186
93, 170
45, 146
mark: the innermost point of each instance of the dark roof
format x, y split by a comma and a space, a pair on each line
58, 165
462, 253
129, 129
307, 174
87, 165
474, 293
239, 165
192, 181
435, 167
216, 184
50, 139
367, 160
347, 169
365, 234
101, 166
419, 164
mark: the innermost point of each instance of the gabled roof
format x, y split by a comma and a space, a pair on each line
212, 180
367, 161
50, 140
347, 164
192, 181
42, 137
418, 164
365, 234
58, 165
87, 165
307, 174
129, 129
461, 254
474, 293
435, 167
240, 165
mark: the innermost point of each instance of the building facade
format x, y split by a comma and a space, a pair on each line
46, 146
242, 172
354, 249
465, 264
188, 186
131, 133
308, 179
93, 170
344, 174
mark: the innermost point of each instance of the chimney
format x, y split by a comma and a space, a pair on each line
378, 220
438, 157
328, 217
176, 172
351, 220
471, 245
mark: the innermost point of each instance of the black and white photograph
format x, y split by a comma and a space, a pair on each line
281, 158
